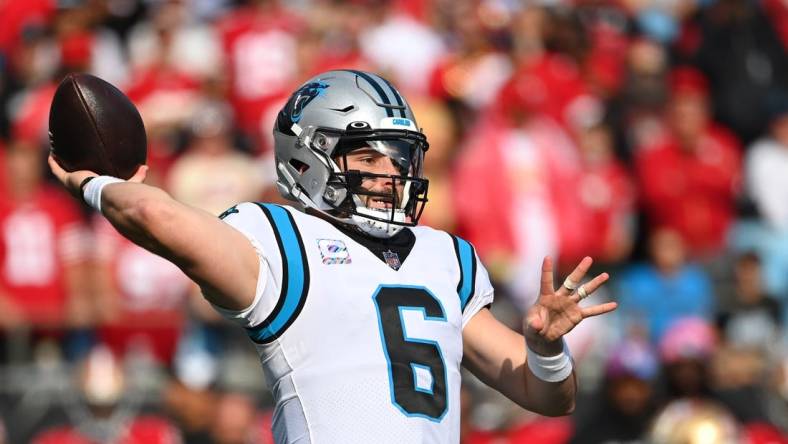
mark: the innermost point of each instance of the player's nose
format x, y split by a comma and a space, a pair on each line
388, 167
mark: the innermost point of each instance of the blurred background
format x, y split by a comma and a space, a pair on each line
649, 134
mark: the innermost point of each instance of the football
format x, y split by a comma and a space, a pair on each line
94, 126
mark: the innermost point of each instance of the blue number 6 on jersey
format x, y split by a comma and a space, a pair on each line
412, 361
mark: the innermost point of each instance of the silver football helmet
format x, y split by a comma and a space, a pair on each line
336, 113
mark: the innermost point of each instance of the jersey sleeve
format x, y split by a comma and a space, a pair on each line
249, 220
474, 287
483, 293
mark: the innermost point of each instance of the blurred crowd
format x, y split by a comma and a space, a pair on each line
651, 135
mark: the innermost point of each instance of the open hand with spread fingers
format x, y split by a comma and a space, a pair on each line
557, 312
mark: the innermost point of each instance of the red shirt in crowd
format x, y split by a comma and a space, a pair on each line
261, 50
692, 192
38, 239
549, 84
15, 16
142, 430
495, 181
604, 199
144, 296
543, 431
163, 94
31, 120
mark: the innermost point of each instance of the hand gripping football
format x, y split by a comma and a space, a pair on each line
94, 126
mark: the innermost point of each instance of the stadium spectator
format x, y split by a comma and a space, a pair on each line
140, 299
440, 126
332, 42
765, 165
685, 351
695, 420
476, 67
745, 60
260, 45
701, 375
18, 18
689, 179
84, 44
654, 295
541, 430
549, 83
604, 64
3, 166
754, 318
636, 112
164, 93
105, 413
192, 408
750, 327
605, 197
174, 37
235, 421
31, 113
777, 13
523, 158
212, 173
628, 397
42, 283
401, 43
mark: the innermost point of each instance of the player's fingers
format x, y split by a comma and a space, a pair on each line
57, 170
575, 276
546, 286
589, 287
534, 321
597, 310
140, 174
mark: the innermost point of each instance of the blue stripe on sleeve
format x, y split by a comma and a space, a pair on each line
466, 258
294, 273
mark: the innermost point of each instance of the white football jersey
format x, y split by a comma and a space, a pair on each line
355, 351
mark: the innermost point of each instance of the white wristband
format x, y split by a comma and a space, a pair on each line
93, 189
550, 368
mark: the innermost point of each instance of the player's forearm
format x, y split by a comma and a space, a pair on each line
502, 364
553, 361
141, 213
550, 398
513, 378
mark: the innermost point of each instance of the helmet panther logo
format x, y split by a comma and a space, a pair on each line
303, 97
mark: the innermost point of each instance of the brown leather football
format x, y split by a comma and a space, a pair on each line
94, 126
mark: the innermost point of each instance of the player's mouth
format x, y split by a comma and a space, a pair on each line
380, 203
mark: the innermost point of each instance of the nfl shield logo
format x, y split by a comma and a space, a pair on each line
392, 259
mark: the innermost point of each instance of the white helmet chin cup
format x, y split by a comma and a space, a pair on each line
375, 227
329, 115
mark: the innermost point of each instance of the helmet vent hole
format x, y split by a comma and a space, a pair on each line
299, 166
345, 109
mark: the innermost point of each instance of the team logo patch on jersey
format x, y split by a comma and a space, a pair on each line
333, 251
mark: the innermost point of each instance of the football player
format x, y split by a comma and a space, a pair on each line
361, 318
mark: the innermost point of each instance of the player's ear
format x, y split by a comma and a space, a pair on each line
140, 174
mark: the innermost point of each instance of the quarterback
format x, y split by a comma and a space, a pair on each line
361, 317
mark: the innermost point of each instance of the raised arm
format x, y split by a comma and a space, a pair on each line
216, 256
498, 356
